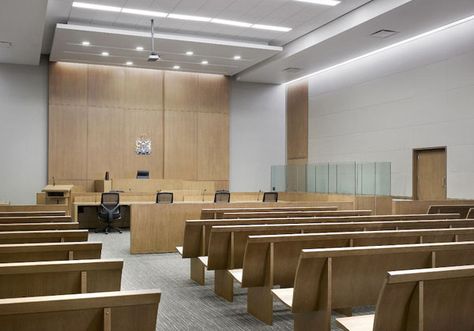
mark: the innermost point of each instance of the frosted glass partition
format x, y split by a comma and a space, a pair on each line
358, 178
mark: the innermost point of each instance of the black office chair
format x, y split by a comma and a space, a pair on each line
143, 174
164, 197
222, 196
270, 197
109, 211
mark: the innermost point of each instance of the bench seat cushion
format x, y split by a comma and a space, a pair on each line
357, 323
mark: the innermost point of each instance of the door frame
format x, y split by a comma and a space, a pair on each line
415, 169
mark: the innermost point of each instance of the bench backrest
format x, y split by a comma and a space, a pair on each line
350, 277
34, 219
277, 256
50, 252
117, 311
303, 213
463, 210
470, 214
209, 213
32, 213
23, 237
39, 226
197, 232
435, 299
28, 279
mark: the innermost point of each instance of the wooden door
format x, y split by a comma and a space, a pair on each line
429, 174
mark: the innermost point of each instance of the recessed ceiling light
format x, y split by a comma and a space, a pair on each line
176, 67
205, 62
149, 13
129, 63
96, 7
189, 53
190, 17
139, 48
271, 27
85, 43
322, 2
237, 57
230, 22
105, 54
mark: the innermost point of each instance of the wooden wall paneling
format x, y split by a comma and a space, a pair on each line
297, 120
68, 84
180, 145
213, 146
144, 89
105, 141
137, 123
67, 150
213, 93
105, 86
181, 91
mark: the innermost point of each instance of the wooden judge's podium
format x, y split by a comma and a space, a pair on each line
58, 194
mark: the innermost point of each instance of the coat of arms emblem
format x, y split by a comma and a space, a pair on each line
143, 145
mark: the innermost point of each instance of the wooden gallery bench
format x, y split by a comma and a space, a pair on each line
463, 210
105, 311
282, 214
275, 256
23, 237
39, 226
32, 213
210, 213
436, 299
341, 278
29, 279
197, 232
50, 252
35, 219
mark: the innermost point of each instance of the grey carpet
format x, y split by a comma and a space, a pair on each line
184, 304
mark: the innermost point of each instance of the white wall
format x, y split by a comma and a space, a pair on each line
379, 108
257, 134
23, 131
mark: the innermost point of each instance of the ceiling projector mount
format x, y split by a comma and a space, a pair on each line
154, 56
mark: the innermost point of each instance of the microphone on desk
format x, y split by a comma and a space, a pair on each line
54, 181
258, 195
203, 192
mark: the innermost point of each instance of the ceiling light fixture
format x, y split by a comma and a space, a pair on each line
204, 62
380, 50
230, 22
96, 7
139, 48
189, 53
237, 57
322, 2
271, 27
129, 63
85, 43
149, 13
105, 54
154, 56
176, 67
190, 18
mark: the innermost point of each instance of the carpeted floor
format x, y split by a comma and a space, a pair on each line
184, 304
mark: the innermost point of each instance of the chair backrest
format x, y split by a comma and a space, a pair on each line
24, 237
50, 252
117, 311
197, 232
270, 197
164, 197
27, 279
284, 250
110, 200
222, 196
143, 174
435, 299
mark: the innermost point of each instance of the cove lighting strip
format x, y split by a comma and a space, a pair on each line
383, 49
151, 13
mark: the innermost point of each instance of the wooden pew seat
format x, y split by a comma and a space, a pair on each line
28, 279
105, 311
435, 299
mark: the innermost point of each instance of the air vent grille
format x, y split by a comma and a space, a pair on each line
292, 70
5, 44
383, 34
